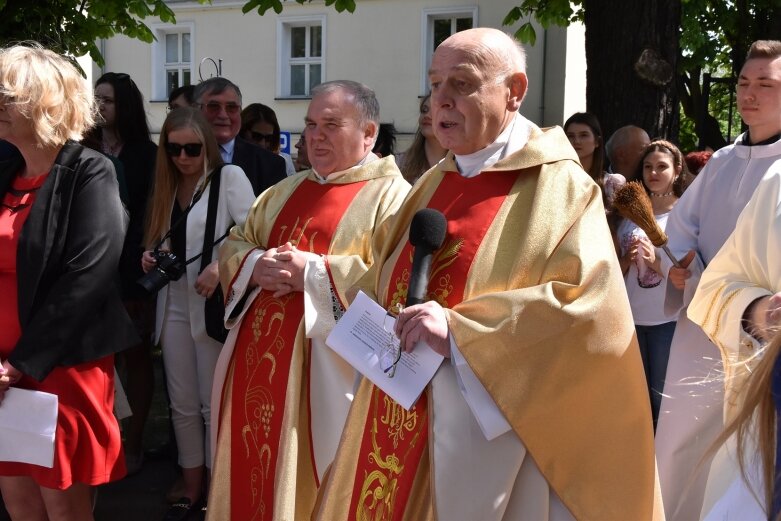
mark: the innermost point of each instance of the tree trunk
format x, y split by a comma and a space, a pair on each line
623, 89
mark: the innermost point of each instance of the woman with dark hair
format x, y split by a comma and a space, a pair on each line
122, 133
665, 177
425, 150
259, 125
585, 134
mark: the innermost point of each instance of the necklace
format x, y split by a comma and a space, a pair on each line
112, 150
666, 194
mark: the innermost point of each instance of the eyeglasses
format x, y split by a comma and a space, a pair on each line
213, 108
190, 149
390, 353
258, 136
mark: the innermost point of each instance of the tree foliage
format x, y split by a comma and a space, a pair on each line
264, 5
73, 27
714, 38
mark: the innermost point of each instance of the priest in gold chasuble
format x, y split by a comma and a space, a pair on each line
539, 410
280, 394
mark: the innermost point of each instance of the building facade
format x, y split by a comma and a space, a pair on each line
387, 44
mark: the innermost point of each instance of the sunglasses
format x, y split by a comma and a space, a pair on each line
213, 108
257, 136
190, 149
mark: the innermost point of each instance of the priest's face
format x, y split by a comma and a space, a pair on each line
759, 97
473, 96
336, 136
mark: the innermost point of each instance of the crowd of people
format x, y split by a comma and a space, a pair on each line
588, 373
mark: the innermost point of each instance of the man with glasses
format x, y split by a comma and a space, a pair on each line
282, 398
540, 409
220, 101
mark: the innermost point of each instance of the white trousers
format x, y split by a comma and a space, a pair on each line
189, 371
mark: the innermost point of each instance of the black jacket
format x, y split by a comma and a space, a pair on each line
138, 161
263, 168
66, 265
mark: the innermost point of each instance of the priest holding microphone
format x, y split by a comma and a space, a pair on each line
540, 409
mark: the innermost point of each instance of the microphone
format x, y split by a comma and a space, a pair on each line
426, 234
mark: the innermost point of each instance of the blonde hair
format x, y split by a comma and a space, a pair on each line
754, 424
166, 173
47, 89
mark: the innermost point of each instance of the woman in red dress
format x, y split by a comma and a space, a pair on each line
62, 227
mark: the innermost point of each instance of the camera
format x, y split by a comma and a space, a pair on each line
169, 267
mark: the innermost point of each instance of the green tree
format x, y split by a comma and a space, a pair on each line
714, 38
264, 5
73, 27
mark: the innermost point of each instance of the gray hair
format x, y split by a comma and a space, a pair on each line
364, 97
214, 86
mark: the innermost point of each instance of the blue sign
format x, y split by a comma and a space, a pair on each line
284, 142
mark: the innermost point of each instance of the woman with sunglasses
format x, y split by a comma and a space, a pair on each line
187, 160
61, 316
259, 125
122, 133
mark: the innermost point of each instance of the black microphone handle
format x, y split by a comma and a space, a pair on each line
418, 279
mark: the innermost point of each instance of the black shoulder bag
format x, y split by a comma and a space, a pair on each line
214, 308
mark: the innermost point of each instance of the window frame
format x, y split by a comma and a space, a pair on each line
160, 65
428, 16
285, 61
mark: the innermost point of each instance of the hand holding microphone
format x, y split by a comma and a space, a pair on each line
421, 320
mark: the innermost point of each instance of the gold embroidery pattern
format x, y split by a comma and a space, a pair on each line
709, 311
720, 314
378, 493
259, 407
440, 287
296, 240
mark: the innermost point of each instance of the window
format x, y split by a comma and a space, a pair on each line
301, 61
172, 58
177, 61
438, 25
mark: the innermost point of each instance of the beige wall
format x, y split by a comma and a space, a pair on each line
379, 44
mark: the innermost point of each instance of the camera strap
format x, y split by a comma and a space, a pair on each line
213, 183
211, 221
185, 212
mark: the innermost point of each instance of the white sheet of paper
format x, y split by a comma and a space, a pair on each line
359, 336
28, 420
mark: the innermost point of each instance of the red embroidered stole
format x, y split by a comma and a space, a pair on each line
264, 350
394, 438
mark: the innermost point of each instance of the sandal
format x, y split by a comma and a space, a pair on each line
181, 510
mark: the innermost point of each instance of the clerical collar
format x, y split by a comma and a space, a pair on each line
769, 141
335, 175
511, 140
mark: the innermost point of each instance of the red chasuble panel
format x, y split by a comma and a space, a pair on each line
264, 350
393, 438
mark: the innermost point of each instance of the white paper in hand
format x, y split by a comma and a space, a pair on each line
360, 336
28, 420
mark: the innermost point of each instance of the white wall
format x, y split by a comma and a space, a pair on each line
379, 44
